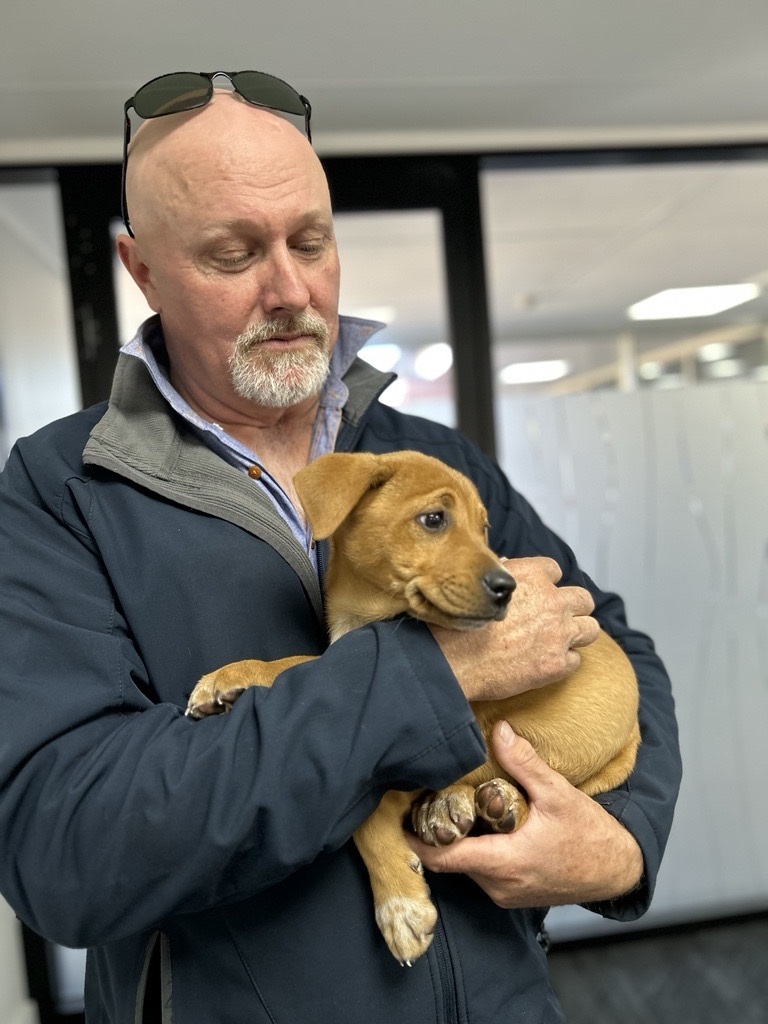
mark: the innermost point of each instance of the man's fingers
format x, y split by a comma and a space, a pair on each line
588, 629
578, 600
536, 565
517, 757
471, 856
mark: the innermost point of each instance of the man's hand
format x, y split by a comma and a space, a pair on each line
534, 645
570, 850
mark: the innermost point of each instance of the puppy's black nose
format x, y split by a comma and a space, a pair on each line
499, 585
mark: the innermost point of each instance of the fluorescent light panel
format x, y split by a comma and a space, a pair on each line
431, 362
540, 372
674, 303
383, 355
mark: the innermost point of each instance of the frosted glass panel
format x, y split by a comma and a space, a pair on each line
664, 497
571, 250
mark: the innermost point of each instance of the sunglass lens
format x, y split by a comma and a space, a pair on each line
268, 91
171, 94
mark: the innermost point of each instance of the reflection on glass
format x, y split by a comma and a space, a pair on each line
395, 257
575, 255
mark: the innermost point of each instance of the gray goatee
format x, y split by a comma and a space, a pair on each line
277, 380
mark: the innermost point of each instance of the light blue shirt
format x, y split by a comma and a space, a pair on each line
148, 346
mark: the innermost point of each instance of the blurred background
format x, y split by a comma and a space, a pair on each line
560, 210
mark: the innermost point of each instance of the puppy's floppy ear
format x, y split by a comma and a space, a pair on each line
330, 487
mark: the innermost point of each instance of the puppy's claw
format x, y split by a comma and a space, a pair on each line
443, 836
205, 700
407, 925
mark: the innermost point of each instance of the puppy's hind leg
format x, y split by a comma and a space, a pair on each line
404, 912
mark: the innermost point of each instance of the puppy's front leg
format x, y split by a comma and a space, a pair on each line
217, 692
404, 912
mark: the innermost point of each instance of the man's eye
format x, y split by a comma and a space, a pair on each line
433, 521
311, 247
233, 262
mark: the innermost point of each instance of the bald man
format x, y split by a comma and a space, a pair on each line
207, 865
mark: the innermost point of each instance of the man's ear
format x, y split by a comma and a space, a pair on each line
331, 487
130, 257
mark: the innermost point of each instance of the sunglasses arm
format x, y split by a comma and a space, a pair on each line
123, 196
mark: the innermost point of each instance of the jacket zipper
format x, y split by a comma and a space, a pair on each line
321, 551
446, 976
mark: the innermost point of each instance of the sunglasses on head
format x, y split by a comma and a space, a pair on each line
188, 90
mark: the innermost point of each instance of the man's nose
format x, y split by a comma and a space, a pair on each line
283, 286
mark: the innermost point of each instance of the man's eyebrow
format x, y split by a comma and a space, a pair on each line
236, 226
316, 219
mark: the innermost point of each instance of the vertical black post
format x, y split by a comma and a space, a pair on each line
90, 198
39, 975
468, 303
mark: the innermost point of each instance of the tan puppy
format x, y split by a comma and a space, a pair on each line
408, 534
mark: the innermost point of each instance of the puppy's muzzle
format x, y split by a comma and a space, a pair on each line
499, 587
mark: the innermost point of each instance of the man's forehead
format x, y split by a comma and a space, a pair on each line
226, 116
224, 153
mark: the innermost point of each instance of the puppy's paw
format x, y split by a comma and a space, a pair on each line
214, 694
501, 804
407, 924
440, 818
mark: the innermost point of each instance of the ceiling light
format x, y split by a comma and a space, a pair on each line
651, 370
539, 372
674, 303
383, 355
713, 352
433, 361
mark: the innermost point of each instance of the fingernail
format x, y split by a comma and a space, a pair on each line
505, 733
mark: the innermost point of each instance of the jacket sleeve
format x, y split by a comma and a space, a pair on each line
645, 803
116, 812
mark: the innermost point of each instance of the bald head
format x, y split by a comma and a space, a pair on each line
180, 161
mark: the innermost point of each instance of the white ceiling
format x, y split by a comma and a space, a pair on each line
398, 73
569, 250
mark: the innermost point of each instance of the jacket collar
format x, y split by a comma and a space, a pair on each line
142, 440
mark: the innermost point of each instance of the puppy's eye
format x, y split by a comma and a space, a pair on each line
433, 521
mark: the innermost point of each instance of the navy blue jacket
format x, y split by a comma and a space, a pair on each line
132, 561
